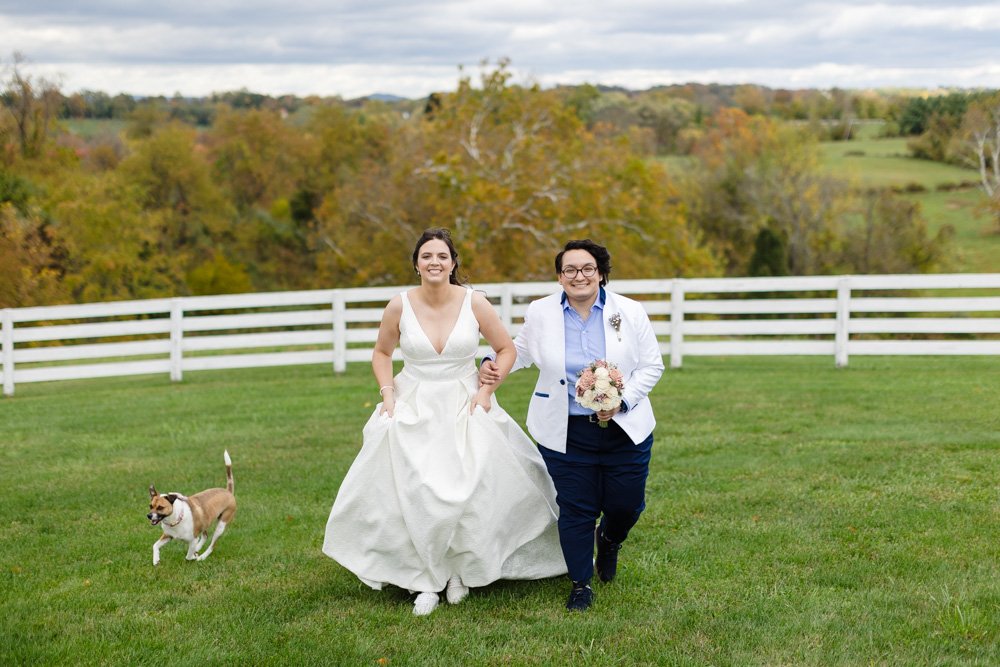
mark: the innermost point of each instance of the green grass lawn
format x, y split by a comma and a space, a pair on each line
797, 515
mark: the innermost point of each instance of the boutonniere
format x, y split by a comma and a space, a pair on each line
616, 323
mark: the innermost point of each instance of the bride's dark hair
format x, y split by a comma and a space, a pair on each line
441, 234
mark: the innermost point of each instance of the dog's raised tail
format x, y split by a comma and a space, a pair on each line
229, 470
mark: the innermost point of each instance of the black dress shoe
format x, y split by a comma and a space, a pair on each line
606, 562
580, 598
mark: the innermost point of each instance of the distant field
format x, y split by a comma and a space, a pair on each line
887, 163
868, 129
92, 127
873, 163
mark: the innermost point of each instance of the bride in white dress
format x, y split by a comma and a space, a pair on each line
447, 491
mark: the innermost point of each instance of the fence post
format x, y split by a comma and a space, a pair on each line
507, 307
8, 351
676, 323
176, 339
842, 336
339, 332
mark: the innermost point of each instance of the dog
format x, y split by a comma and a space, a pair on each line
187, 518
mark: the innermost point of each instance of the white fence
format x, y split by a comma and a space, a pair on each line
837, 316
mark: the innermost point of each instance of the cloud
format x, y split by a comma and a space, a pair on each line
412, 48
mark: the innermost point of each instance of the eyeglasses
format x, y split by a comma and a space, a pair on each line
588, 271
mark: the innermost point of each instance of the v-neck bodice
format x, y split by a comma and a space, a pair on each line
457, 356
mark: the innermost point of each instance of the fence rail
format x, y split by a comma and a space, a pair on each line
838, 316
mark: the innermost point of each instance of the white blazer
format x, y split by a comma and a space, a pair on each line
542, 343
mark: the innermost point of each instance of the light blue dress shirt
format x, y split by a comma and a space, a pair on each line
584, 344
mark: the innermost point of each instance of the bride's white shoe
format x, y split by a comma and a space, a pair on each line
457, 591
425, 604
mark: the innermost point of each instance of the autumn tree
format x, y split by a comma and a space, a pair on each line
29, 270
113, 241
514, 173
263, 165
892, 237
32, 103
979, 146
169, 179
663, 115
933, 143
255, 156
145, 119
754, 174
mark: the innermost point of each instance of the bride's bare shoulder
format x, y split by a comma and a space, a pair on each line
479, 298
395, 305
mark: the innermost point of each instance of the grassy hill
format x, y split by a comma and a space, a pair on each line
887, 163
947, 194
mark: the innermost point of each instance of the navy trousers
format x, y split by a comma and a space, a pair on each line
602, 476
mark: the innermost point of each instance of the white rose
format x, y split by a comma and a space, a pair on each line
601, 373
603, 386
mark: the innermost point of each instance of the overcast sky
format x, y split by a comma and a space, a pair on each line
354, 48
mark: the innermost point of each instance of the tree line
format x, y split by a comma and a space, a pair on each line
245, 192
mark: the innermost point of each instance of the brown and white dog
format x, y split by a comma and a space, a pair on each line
187, 518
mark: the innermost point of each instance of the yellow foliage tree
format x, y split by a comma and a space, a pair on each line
755, 173
28, 275
514, 174
256, 155
112, 244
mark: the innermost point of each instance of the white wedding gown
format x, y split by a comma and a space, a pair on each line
436, 492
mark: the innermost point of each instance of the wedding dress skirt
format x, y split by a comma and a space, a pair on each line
436, 492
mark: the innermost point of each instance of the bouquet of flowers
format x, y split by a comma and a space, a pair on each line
600, 387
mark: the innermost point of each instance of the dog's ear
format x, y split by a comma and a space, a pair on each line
152, 491
171, 498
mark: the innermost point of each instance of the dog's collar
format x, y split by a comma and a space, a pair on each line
180, 517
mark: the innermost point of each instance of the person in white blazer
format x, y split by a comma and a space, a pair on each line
599, 471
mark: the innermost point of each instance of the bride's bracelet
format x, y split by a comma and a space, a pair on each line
381, 389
